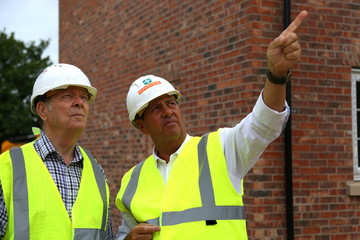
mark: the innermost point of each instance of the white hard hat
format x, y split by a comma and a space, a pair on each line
145, 89
60, 76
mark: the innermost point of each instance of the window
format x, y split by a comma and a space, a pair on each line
355, 88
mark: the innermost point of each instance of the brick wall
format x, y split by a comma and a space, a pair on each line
215, 53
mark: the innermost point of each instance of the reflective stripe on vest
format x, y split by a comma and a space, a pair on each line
21, 207
85, 234
208, 211
20, 193
205, 183
99, 176
132, 186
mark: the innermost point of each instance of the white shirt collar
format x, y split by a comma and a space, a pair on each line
175, 154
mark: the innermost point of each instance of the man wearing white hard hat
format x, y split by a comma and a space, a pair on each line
191, 187
52, 188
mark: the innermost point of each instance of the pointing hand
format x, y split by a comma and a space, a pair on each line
284, 51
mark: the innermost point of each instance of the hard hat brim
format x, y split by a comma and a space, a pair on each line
92, 92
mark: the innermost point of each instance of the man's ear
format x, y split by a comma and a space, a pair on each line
42, 110
141, 126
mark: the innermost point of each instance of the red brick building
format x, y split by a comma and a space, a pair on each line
215, 53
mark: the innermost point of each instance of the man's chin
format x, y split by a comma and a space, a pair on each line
173, 134
77, 126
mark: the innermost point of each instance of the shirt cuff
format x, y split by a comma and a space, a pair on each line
269, 117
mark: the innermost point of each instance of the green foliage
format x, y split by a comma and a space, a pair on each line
20, 64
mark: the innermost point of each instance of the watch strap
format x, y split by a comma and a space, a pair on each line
278, 80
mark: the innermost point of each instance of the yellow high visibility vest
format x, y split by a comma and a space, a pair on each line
35, 208
198, 201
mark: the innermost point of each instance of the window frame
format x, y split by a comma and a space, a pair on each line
355, 77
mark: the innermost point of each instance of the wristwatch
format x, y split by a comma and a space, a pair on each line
279, 80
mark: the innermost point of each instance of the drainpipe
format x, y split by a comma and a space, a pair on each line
288, 146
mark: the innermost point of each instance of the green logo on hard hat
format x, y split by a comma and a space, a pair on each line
147, 81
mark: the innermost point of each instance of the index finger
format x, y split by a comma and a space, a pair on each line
296, 23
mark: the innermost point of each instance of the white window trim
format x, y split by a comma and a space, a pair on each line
355, 77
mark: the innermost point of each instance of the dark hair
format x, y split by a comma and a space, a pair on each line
137, 116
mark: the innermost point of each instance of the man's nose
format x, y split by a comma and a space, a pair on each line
78, 101
166, 111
